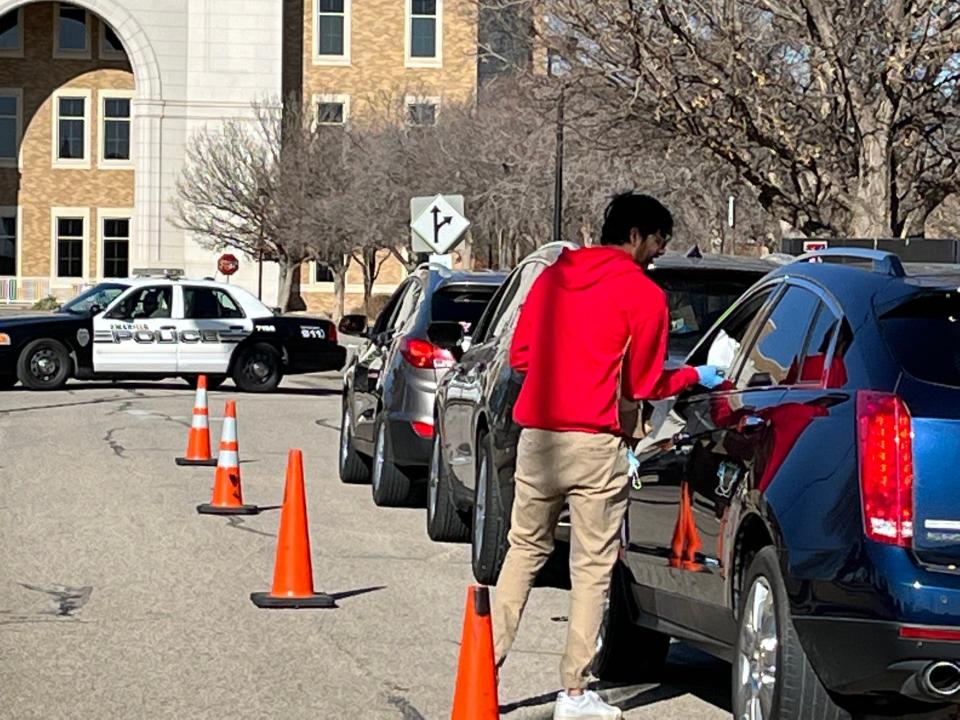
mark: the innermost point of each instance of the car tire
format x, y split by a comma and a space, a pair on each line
353, 469
258, 368
626, 652
391, 487
771, 671
44, 364
213, 381
444, 521
490, 522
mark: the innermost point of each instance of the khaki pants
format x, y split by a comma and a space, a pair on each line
589, 472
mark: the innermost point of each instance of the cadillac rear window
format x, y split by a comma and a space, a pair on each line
924, 336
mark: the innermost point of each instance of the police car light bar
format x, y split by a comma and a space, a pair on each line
168, 273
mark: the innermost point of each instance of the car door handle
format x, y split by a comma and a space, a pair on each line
751, 423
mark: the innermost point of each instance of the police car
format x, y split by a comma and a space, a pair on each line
163, 326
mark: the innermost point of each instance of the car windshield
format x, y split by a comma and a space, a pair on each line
697, 302
924, 335
100, 295
461, 304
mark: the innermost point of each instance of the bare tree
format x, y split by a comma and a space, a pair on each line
842, 115
242, 187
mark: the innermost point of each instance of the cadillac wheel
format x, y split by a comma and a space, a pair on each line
44, 364
772, 677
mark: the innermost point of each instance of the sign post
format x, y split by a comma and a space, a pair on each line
438, 226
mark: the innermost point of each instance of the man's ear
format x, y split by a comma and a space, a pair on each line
635, 237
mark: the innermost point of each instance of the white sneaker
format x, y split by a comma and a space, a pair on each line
587, 706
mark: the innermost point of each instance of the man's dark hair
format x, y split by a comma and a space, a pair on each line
632, 210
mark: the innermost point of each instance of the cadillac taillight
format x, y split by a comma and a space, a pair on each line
425, 355
886, 467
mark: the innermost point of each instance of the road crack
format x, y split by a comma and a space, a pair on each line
117, 448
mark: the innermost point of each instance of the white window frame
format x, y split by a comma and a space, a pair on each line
104, 214
420, 62
17, 211
420, 100
17, 160
18, 51
56, 213
327, 98
105, 52
84, 162
319, 59
84, 54
102, 161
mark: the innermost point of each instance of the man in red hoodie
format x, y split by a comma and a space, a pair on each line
593, 329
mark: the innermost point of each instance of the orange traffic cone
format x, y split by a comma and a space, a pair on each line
475, 697
198, 438
227, 495
293, 572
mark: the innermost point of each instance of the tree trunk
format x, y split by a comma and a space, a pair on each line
369, 274
288, 272
339, 291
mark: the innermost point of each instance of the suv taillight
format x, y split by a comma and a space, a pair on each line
425, 355
886, 467
332, 332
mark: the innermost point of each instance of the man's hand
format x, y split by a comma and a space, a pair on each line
710, 376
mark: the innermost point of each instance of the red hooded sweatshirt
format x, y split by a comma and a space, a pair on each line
594, 327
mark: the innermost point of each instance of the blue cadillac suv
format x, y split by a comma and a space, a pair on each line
803, 520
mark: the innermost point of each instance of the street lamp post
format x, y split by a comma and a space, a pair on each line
558, 162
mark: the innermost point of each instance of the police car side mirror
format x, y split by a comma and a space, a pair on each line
353, 325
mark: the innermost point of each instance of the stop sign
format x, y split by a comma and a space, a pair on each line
228, 264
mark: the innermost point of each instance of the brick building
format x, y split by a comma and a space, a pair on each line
99, 98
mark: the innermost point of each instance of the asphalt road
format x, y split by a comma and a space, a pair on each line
118, 601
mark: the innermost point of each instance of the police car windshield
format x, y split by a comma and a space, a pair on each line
101, 295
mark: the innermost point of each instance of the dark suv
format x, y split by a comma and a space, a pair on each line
389, 384
470, 488
804, 522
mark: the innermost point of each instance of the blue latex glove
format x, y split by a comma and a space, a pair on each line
710, 376
634, 463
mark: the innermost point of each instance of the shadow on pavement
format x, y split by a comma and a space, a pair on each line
687, 672
354, 593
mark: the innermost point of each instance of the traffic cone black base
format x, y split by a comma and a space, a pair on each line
184, 462
268, 601
208, 509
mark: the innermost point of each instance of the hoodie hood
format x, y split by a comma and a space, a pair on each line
584, 268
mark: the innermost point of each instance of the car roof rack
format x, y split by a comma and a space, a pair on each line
168, 273
884, 263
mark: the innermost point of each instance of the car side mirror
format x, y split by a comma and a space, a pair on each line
353, 325
447, 335
760, 380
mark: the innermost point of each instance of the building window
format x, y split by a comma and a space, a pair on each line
421, 113
116, 129
110, 45
331, 31
8, 242
9, 127
423, 28
72, 31
424, 33
69, 247
116, 247
71, 128
323, 274
330, 113
11, 33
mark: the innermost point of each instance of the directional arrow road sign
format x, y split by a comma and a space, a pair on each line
440, 225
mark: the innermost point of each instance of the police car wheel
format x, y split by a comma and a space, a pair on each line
44, 364
258, 369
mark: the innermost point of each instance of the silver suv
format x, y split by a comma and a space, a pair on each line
386, 432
